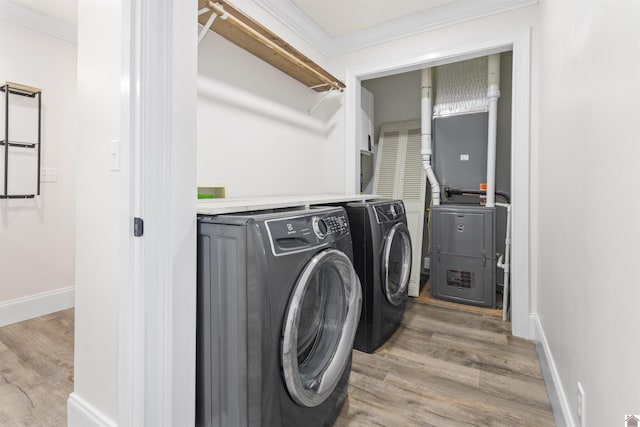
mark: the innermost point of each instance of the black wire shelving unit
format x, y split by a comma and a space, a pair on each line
9, 89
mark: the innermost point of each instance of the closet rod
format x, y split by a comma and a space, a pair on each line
219, 10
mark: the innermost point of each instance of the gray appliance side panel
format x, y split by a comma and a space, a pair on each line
463, 242
205, 404
256, 296
460, 152
223, 285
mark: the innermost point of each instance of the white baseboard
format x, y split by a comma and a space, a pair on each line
27, 308
560, 395
81, 414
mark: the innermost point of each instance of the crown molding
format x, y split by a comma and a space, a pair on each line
299, 22
450, 14
37, 21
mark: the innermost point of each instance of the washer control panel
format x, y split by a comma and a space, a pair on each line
297, 233
334, 224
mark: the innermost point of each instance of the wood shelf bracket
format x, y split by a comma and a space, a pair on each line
322, 97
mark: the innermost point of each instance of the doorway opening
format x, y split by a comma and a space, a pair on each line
518, 46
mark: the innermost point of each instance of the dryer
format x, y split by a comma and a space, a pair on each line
382, 258
278, 308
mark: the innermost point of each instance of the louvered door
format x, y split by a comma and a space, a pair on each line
387, 173
399, 175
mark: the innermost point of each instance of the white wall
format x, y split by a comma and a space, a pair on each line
98, 201
254, 132
37, 246
396, 98
587, 173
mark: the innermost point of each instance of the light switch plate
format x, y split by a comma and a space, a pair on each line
49, 175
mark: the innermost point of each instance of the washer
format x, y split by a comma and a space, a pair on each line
278, 307
382, 258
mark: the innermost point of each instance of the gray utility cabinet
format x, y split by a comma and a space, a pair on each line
463, 256
460, 152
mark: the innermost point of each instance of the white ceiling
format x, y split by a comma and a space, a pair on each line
340, 17
62, 10
339, 26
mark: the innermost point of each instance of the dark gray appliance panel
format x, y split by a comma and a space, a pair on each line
465, 279
460, 151
463, 258
463, 233
221, 327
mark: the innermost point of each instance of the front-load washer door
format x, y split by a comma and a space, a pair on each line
396, 263
320, 325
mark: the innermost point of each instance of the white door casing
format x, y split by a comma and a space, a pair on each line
519, 41
156, 351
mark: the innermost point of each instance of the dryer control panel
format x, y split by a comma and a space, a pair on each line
299, 233
390, 211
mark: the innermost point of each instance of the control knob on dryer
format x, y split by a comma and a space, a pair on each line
393, 210
319, 227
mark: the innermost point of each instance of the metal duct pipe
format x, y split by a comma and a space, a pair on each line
426, 151
493, 93
506, 265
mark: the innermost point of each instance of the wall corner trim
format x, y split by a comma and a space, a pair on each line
546, 359
21, 309
82, 414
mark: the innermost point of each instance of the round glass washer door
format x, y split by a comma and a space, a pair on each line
320, 325
396, 263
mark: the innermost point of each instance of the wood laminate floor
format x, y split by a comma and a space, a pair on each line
448, 367
36, 371
443, 367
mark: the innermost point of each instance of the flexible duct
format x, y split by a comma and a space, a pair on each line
493, 93
467, 192
426, 150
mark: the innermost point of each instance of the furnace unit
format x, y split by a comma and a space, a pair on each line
463, 261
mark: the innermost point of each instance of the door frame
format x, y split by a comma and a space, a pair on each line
157, 301
520, 43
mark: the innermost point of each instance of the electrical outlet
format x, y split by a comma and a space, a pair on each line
426, 264
581, 406
49, 175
